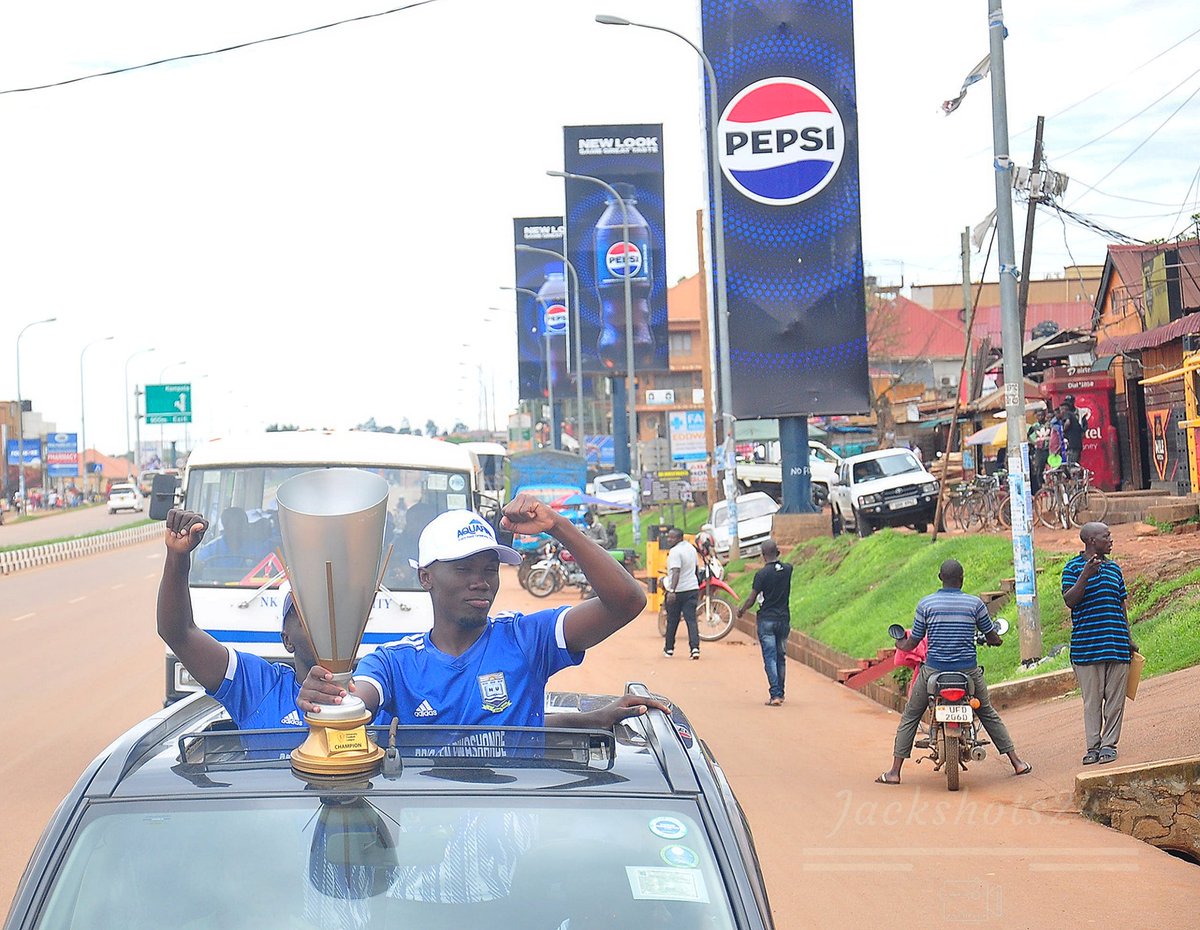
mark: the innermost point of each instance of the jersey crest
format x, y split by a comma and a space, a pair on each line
494, 691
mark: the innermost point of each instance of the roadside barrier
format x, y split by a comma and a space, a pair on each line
17, 560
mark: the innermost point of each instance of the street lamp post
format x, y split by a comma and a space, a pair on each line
82, 415
21, 416
128, 442
549, 380
630, 389
718, 234
577, 326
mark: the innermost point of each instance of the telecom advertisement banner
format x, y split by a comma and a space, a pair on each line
541, 306
62, 455
787, 138
628, 159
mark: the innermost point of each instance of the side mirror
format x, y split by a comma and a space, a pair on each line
162, 495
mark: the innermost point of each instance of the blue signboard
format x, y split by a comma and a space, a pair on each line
787, 139
32, 451
62, 455
600, 451
542, 275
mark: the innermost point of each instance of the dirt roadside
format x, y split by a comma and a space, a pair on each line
1004, 852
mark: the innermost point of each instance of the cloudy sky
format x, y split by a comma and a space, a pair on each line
313, 230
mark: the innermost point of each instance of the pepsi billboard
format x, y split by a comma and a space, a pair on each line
787, 145
533, 272
628, 159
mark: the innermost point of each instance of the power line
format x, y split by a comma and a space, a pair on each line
218, 51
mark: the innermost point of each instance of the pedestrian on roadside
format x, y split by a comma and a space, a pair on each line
1072, 430
1039, 442
772, 587
683, 591
947, 620
1101, 640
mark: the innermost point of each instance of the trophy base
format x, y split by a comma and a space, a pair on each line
337, 747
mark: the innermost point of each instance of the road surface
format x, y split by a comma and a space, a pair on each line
56, 524
836, 848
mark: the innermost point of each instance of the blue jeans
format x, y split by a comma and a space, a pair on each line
772, 636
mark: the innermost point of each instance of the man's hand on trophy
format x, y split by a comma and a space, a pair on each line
320, 688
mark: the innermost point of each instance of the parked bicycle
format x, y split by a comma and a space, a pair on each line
981, 503
1067, 498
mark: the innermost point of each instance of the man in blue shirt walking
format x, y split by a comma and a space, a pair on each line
1101, 642
472, 669
948, 619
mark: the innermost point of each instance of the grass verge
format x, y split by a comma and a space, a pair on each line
845, 592
61, 539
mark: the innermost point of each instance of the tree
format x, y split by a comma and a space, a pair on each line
430, 428
460, 427
282, 428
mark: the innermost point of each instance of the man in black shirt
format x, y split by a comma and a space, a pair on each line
773, 583
1072, 431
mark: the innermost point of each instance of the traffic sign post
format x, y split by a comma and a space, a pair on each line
168, 403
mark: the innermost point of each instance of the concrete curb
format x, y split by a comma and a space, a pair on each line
17, 560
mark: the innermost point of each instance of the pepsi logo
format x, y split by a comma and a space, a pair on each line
782, 141
619, 264
556, 320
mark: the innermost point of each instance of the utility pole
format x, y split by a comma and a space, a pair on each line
1028, 613
1035, 195
965, 390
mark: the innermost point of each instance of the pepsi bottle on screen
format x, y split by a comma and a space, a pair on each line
612, 266
552, 297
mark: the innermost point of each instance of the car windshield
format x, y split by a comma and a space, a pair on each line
121, 489
749, 507
240, 548
613, 484
346, 862
900, 464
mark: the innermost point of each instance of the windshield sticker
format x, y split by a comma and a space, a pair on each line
456, 502
668, 828
649, 883
457, 483
681, 857
436, 481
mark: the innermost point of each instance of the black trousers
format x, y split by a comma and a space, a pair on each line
683, 603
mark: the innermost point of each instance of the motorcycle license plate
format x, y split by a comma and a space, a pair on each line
952, 713
902, 503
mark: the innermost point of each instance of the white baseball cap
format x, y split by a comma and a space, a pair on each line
457, 534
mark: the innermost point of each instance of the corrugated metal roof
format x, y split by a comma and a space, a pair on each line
1184, 326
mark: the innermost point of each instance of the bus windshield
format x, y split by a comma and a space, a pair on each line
241, 546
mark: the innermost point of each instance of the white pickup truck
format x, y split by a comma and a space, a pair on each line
889, 487
768, 476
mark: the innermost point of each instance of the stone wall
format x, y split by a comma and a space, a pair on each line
1158, 803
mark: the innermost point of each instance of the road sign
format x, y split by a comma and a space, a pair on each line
168, 403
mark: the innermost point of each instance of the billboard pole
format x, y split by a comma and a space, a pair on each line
83, 419
630, 385
718, 230
1028, 615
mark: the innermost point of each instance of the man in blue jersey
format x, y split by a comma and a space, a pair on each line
1101, 641
948, 619
263, 695
472, 669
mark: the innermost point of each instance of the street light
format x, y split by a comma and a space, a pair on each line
128, 442
549, 380
630, 390
718, 234
577, 326
21, 415
82, 416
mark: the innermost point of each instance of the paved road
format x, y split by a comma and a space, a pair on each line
55, 524
1005, 852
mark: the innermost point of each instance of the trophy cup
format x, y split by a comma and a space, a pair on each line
332, 523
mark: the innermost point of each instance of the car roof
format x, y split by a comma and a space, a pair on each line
191, 749
122, 487
877, 454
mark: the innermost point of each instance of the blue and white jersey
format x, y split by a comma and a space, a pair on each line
500, 680
261, 695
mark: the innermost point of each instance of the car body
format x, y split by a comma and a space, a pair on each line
767, 476
125, 497
888, 487
756, 512
615, 489
177, 824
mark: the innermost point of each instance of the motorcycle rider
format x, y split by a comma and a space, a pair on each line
947, 620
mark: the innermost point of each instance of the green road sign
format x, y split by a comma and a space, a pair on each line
168, 403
